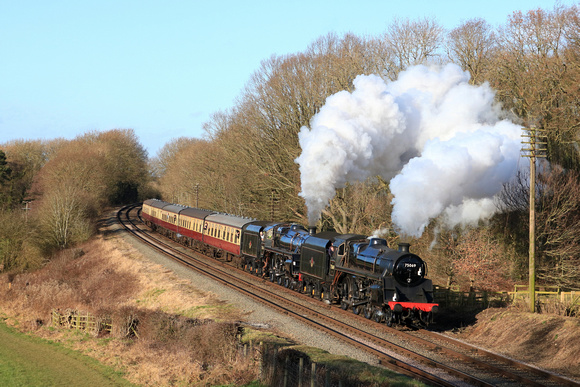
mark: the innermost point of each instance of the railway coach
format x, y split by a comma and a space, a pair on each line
209, 232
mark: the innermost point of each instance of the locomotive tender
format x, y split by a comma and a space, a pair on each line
359, 273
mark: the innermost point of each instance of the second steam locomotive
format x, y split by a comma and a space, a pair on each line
358, 273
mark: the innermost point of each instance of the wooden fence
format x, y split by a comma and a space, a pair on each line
448, 298
479, 300
83, 321
547, 293
285, 367
550, 300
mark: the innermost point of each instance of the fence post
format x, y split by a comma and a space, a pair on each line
286, 372
263, 349
300, 371
313, 375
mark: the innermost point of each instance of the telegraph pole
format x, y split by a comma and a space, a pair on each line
535, 149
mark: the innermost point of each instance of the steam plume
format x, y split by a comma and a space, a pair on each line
438, 140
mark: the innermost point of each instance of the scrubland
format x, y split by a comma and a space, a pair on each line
180, 335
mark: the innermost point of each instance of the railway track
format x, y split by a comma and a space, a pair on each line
429, 357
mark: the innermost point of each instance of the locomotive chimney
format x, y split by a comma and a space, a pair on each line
311, 230
404, 247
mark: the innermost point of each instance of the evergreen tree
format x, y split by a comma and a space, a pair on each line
5, 175
5, 170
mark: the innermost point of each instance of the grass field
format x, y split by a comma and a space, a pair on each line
31, 361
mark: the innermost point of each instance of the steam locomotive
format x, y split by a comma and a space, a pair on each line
358, 273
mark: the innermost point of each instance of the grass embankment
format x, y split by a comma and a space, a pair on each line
31, 361
184, 336
189, 337
547, 341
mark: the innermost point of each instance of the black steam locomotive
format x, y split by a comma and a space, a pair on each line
358, 273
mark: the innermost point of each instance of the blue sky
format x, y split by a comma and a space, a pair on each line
163, 68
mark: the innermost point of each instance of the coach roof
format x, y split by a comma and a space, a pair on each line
196, 213
156, 203
174, 208
229, 220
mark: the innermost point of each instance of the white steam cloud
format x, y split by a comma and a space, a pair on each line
438, 140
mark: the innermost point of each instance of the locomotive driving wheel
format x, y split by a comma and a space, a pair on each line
389, 317
368, 311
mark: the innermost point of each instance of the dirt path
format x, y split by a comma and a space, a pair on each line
29, 361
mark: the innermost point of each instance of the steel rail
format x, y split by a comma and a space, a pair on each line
377, 341
274, 301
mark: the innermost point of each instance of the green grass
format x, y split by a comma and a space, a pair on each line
31, 361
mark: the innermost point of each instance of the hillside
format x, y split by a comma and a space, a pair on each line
109, 274
547, 341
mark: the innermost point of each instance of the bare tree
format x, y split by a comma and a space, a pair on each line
125, 161
17, 249
480, 257
413, 42
72, 191
559, 227
282, 96
471, 46
535, 74
64, 218
363, 208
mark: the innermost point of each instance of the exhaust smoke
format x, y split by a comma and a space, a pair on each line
439, 141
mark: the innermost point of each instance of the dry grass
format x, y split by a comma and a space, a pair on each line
178, 340
548, 341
